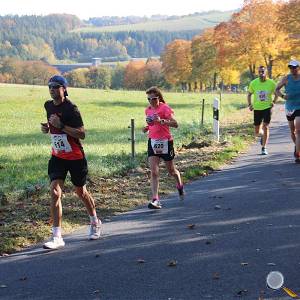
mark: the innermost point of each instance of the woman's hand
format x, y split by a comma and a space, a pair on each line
149, 120
145, 129
156, 118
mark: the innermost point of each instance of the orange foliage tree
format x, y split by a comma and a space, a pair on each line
289, 20
177, 62
204, 60
134, 75
252, 36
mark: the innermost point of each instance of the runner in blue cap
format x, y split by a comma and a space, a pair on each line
64, 123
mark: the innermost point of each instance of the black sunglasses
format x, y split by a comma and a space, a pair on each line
153, 98
293, 67
54, 86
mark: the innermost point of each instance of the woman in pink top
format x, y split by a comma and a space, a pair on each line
159, 118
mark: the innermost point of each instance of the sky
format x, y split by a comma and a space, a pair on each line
97, 8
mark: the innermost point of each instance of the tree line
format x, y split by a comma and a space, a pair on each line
136, 75
51, 38
263, 32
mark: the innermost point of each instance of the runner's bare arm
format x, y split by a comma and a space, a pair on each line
249, 101
280, 85
275, 98
169, 122
78, 133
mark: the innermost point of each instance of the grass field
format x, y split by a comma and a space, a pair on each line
115, 186
198, 22
24, 151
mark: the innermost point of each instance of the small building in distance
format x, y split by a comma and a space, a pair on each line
96, 62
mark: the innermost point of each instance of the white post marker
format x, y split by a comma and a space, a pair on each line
216, 124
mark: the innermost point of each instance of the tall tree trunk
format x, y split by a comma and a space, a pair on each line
215, 81
195, 86
182, 87
269, 64
190, 86
252, 71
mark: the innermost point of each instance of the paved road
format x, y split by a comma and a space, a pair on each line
226, 256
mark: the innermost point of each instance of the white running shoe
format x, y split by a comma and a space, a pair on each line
264, 151
55, 243
154, 204
95, 230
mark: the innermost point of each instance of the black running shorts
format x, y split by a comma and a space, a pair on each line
58, 169
166, 157
262, 116
295, 114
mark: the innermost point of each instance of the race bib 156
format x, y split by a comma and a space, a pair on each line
60, 143
160, 146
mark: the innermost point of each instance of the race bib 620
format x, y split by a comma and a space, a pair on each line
160, 146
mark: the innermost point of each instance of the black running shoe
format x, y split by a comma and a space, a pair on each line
295, 153
181, 192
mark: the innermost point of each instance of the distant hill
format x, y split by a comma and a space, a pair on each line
62, 37
197, 21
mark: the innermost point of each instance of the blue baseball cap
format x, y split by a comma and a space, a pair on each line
60, 80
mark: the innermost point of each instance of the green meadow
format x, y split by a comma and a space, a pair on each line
24, 150
191, 22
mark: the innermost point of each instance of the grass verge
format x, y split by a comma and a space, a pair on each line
25, 221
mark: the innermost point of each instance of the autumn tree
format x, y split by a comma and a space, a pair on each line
153, 74
117, 77
204, 60
78, 77
289, 21
134, 75
28, 72
177, 62
252, 36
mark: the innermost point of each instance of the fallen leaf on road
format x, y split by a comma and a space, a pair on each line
216, 276
141, 261
96, 292
3, 286
244, 264
217, 207
191, 226
23, 278
242, 292
172, 263
271, 264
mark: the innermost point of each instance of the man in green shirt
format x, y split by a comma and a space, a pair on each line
262, 88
